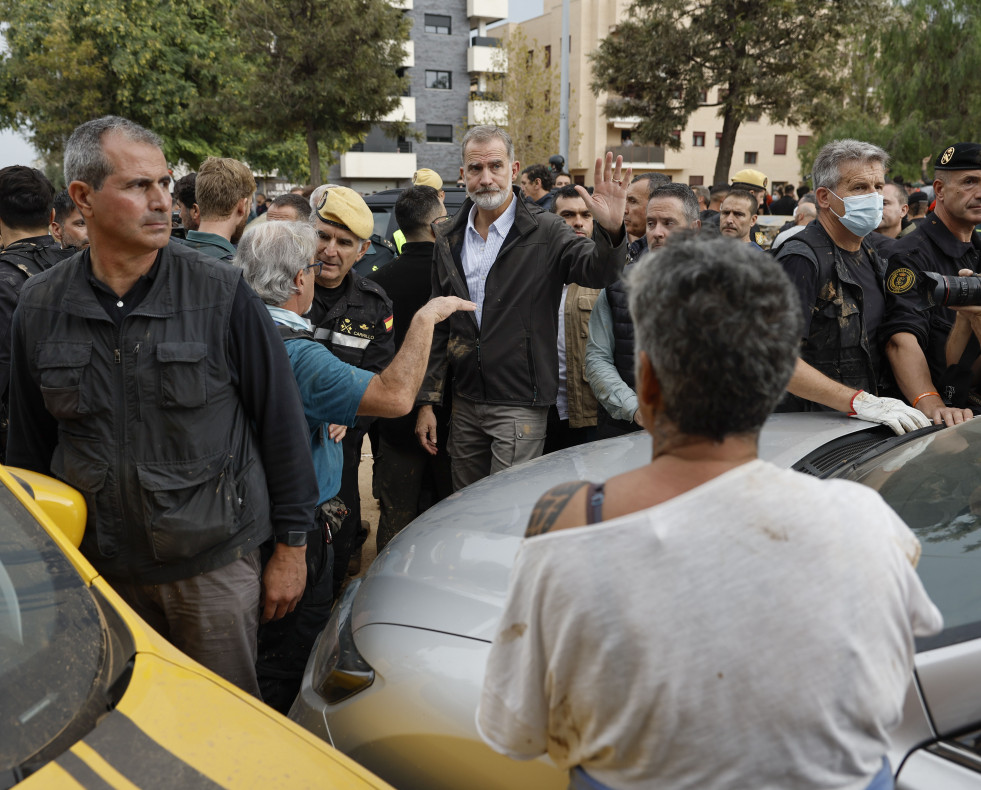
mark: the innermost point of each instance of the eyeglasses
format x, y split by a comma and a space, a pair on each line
317, 267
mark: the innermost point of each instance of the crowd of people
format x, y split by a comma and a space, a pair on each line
209, 389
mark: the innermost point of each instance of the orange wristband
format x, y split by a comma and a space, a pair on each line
923, 395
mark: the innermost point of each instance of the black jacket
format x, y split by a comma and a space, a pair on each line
512, 358
357, 327
182, 426
18, 261
929, 248
837, 343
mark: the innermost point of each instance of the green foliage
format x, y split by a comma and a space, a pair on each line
921, 65
322, 71
161, 64
781, 58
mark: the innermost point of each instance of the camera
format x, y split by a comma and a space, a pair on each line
941, 290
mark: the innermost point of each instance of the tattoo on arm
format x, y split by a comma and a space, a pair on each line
550, 506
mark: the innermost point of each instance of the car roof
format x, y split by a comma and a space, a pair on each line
449, 569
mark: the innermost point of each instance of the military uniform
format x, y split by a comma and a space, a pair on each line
933, 247
356, 326
930, 248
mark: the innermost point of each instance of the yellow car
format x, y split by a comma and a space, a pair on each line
91, 696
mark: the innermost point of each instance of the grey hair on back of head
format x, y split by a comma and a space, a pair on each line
271, 254
720, 323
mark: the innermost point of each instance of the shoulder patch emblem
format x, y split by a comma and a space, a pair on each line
389, 323
900, 280
948, 155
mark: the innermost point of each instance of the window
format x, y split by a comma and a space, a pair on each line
441, 80
703, 97
439, 133
779, 144
437, 23
749, 158
548, 55
676, 134
698, 139
718, 139
803, 140
696, 181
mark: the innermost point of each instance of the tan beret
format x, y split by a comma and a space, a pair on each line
749, 178
424, 177
346, 209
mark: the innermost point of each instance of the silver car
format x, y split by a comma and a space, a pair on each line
395, 678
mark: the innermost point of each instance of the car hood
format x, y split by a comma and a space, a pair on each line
448, 570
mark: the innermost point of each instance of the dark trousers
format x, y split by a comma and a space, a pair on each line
285, 645
407, 481
558, 434
345, 540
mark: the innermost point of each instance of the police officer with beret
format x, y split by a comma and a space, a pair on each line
754, 182
352, 317
945, 242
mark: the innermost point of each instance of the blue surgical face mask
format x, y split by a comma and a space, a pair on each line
863, 213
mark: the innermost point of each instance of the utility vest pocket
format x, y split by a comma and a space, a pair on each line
61, 368
189, 506
183, 374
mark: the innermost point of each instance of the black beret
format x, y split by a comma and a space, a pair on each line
960, 156
918, 197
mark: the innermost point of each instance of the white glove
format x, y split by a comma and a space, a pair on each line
888, 411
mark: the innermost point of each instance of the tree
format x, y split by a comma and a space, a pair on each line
781, 58
528, 86
918, 94
322, 70
160, 64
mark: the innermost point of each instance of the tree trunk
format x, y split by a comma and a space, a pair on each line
313, 152
724, 161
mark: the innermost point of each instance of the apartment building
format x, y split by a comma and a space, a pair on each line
448, 61
760, 144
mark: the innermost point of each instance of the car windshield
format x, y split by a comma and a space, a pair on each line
933, 483
51, 636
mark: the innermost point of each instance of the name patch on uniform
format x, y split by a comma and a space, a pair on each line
900, 281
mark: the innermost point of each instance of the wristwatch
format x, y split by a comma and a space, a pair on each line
293, 538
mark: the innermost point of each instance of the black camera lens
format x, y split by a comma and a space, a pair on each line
949, 291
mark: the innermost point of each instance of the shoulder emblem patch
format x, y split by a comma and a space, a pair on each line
900, 280
389, 323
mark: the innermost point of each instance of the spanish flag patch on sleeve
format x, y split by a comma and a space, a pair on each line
389, 323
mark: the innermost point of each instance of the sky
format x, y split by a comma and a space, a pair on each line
15, 150
520, 10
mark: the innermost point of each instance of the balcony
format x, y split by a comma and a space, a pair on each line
624, 123
406, 111
404, 5
410, 54
486, 11
366, 164
481, 112
486, 59
640, 155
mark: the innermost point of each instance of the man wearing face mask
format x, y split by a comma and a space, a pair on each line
839, 278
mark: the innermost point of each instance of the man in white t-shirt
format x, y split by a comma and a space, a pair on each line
757, 630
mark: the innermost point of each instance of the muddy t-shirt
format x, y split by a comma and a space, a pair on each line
755, 631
